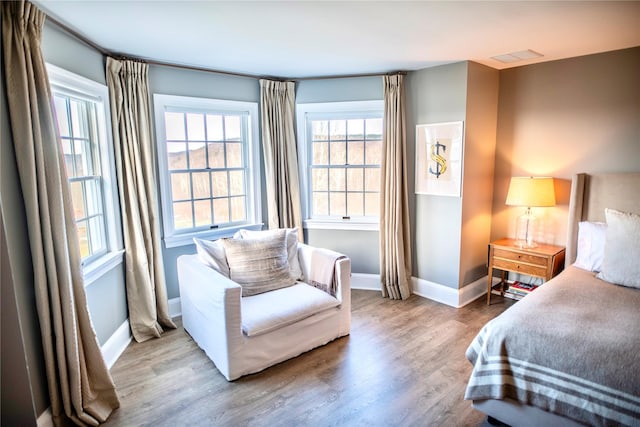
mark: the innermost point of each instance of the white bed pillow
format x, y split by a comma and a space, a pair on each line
292, 246
211, 254
621, 263
259, 265
591, 239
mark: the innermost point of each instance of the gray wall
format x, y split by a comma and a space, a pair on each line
434, 95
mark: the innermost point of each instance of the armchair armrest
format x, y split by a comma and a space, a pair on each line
211, 310
342, 271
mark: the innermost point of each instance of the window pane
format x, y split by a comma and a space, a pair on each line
201, 186
372, 179
338, 153
238, 210
232, 128
78, 119
180, 187
337, 205
202, 212
374, 152
234, 155
83, 238
372, 204
319, 179
336, 180
214, 127
374, 128
320, 130
355, 153
220, 184
174, 126
355, 204
197, 159
182, 215
60, 105
94, 196
320, 203
221, 211
195, 127
355, 179
236, 183
177, 155
96, 230
77, 199
320, 155
216, 155
355, 129
338, 129
80, 157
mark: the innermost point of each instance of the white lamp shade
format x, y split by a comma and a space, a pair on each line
531, 191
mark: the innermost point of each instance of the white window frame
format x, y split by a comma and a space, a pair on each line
337, 110
162, 103
70, 84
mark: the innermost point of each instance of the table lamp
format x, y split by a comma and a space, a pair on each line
529, 191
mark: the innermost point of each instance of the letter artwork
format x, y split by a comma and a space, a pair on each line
440, 161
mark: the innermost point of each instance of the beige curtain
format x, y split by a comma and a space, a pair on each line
131, 117
395, 244
80, 386
277, 104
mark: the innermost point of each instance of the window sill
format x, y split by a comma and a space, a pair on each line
101, 266
187, 238
354, 225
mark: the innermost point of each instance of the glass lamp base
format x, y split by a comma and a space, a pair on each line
524, 230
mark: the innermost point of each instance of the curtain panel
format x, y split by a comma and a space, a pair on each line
135, 167
395, 243
277, 105
80, 386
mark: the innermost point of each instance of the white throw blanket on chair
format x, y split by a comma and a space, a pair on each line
322, 269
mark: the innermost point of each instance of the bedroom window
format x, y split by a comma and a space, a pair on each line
208, 167
341, 169
82, 116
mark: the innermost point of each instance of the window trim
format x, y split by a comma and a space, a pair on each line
162, 103
342, 110
71, 84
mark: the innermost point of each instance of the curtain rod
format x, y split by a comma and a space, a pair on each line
107, 52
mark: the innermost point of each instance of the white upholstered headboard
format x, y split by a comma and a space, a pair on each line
592, 193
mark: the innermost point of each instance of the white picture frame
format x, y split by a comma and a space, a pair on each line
439, 149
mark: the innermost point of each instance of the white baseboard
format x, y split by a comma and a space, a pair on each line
116, 344
364, 281
45, 419
175, 309
452, 297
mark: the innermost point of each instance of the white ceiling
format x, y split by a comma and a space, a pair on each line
326, 38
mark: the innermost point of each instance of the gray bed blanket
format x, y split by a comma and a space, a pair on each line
572, 348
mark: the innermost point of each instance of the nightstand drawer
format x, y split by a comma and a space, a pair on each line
520, 257
520, 267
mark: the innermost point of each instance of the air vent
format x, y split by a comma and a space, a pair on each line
517, 56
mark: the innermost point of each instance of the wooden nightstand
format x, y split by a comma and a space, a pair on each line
543, 261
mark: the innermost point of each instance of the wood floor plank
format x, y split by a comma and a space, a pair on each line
402, 365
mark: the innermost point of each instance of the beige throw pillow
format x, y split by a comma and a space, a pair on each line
259, 265
622, 249
292, 246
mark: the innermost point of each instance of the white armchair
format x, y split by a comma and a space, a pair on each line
244, 335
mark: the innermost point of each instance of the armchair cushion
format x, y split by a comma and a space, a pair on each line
259, 265
273, 310
292, 246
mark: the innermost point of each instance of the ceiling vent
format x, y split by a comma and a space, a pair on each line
517, 56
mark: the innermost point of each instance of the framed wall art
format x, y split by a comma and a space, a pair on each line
439, 149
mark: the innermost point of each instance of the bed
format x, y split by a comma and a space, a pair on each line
569, 353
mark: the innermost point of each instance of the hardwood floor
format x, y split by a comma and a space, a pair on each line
402, 365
